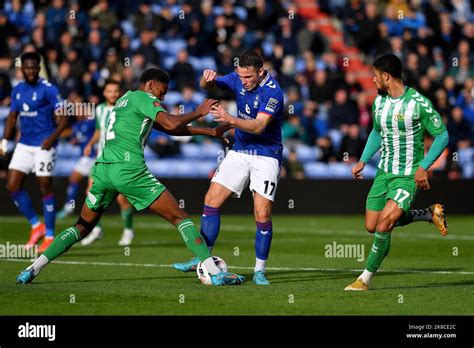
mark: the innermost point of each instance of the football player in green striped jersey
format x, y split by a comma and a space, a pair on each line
401, 116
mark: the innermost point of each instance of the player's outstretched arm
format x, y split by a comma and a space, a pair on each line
9, 131
208, 79
171, 122
185, 130
255, 126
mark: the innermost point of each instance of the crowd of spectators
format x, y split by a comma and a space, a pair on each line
326, 109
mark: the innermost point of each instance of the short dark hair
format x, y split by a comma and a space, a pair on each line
30, 56
155, 74
251, 59
111, 82
390, 64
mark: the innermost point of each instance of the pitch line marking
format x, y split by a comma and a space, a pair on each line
305, 269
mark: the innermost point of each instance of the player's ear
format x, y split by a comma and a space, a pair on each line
261, 71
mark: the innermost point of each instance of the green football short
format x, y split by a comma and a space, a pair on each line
135, 182
399, 188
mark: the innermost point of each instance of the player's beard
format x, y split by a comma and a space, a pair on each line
381, 92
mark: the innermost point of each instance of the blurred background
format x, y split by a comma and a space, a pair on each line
319, 51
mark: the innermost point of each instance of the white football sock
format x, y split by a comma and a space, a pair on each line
36, 224
366, 276
210, 265
39, 264
259, 265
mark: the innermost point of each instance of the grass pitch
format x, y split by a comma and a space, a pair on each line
424, 274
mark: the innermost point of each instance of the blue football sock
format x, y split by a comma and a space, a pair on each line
72, 191
263, 239
210, 224
49, 212
23, 203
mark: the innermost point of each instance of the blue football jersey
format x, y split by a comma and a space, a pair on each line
267, 98
36, 105
82, 132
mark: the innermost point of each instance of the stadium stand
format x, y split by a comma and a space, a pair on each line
320, 52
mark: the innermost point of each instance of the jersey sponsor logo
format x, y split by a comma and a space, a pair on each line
244, 116
271, 105
26, 111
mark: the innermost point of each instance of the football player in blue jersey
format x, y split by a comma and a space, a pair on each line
255, 157
35, 101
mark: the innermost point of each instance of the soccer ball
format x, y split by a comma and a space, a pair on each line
203, 274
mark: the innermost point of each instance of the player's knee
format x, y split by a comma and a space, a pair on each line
211, 200
370, 228
12, 187
385, 225
262, 215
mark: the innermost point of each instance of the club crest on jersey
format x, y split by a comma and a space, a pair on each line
436, 121
156, 104
400, 117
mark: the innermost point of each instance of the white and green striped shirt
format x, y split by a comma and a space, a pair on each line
402, 123
102, 112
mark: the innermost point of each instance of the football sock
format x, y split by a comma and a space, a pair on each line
414, 215
72, 191
379, 250
366, 276
259, 265
49, 214
263, 240
62, 243
193, 239
23, 203
421, 215
127, 217
210, 225
210, 265
38, 265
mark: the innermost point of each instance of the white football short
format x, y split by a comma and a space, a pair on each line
238, 169
32, 159
84, 165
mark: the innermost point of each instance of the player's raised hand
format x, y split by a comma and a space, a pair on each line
357, 170
206, 106
209, 75
220, 114
421, 178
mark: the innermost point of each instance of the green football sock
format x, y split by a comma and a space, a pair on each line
127, 217
193, 239
379, 250
62, 243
